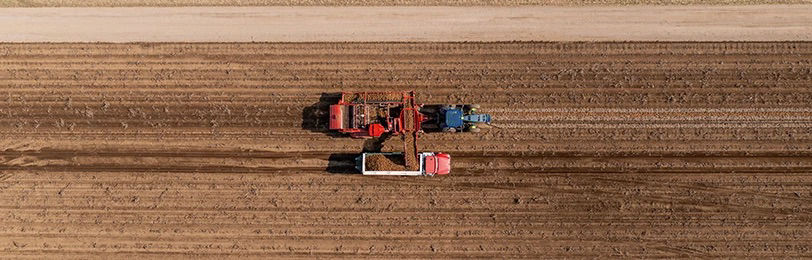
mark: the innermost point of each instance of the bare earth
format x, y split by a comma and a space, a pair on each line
132, 3
644, 150
308, 24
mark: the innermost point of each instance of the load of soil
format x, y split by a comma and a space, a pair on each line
380, 162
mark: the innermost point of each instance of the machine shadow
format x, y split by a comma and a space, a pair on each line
342, 163
316, 117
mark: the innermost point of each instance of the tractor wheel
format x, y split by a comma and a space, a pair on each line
449, 129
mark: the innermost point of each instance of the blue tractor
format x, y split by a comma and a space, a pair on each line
455, 118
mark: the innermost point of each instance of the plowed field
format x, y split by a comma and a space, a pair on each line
600, 149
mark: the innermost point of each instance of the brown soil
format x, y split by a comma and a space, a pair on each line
636, 150
380, 162
393, 144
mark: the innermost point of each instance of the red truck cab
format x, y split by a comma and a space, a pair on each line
439, 163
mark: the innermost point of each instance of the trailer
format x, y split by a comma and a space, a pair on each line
392, 164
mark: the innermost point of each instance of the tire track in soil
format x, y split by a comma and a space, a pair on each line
604, 149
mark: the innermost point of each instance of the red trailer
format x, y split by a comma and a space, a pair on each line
371, 114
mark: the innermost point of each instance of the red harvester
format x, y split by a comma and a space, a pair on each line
371, 114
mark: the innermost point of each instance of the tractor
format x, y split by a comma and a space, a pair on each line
455, 118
